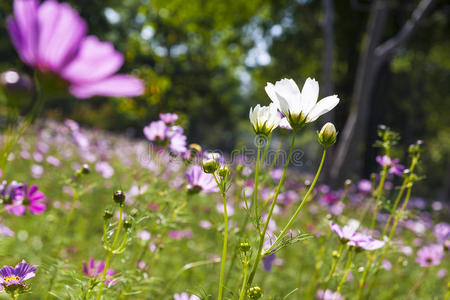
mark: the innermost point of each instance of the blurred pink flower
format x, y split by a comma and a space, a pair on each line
51, 37
430, 255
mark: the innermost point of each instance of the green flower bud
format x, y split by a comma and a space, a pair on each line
119, 197
254, 292
347, 183
335, 254
327, 135
244, 247
107, 214
210, 165
223, 171
127, 224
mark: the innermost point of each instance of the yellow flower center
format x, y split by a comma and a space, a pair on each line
11, 278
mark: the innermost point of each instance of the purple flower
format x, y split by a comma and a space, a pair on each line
13, 277
11, 192
177, 142
104, 169
348, 235
199, 181
93, 270
156, 131
168, 118
328, 295
393, 166
430, 255
442, 232
51, 37
5, 230
365, 186
268, 262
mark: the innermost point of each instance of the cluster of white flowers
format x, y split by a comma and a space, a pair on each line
290, 108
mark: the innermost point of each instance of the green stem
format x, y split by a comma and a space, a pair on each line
333, 266
305, 199
244, 281
277, 192
347, 270
378, 197
225, 235
266, 148
255, 190
110, 254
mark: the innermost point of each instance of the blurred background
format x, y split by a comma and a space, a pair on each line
209, 61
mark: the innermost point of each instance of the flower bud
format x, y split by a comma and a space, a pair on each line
347, 183
223, 171
107, 214
119, 197
254, 292
244, 247
127, 224
327, 135
85, 169
335, 254
210, 165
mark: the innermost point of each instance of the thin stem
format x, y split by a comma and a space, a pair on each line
335, 262
266, 148
378, 197
347, 270
277, 192
244, 281
255, 190
419, 281
109, 255
225, 235
305, 199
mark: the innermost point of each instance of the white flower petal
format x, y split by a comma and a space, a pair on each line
322, 107
289, 91
310, 94
270, 90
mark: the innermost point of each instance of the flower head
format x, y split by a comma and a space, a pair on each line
328, 295
348, 235
327, 135
168, 118
185, 296
26, 196
264, 118
156, 131
51, 37
442, 232
92, 270
430, 255
199, 181
12, 278
299, 107
393, 166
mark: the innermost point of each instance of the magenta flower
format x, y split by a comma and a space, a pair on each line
199, 181
365, 186
13, 277
93, 270
168, 118
393, 166
27, 197
430, 255
51, 37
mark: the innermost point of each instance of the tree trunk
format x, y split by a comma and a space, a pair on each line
351, 147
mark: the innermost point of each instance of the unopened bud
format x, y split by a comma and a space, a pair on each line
327, 135
107, 214
223, 172
119, 197
244, 247
210, 165
335, 254
254, 292
127, 224
85, 169
347, 183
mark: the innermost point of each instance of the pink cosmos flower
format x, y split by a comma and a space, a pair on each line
328, 295
185, 296
51, 37
13, 277
199, 181
93, 270
430, 255
348, 235
156, 131
393, 166
168, 118
28, 197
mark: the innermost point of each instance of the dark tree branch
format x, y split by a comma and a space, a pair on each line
387, 48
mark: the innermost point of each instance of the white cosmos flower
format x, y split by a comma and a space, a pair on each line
299, 107
264, 118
